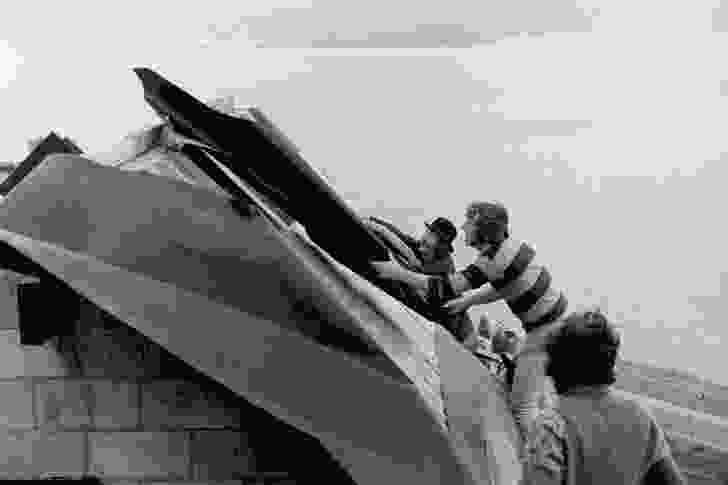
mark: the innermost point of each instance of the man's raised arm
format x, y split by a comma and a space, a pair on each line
443, 287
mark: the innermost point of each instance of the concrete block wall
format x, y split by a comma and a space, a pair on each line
110, 403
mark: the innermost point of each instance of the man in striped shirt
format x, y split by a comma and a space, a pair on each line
505, 269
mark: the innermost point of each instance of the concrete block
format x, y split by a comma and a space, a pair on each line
64, 403
16, 404
191, 404
25, 454
112, 349
116, 404
108, 351
221, 455
137, 455
25, 361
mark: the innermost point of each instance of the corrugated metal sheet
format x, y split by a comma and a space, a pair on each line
271, 316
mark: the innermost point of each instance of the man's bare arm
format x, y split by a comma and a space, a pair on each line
542, 428
393, 271
479, 296
438, 289
484, 295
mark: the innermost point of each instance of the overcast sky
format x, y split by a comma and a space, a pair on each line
600, 124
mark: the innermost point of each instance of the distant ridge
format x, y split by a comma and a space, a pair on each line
674, 386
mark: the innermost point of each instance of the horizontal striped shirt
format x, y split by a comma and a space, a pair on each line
521, 281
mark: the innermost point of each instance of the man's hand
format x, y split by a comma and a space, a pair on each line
393, 271
386, 269
457, 305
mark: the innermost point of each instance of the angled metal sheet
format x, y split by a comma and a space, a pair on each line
253, 154
378, 427
180, 264
195, 240
481, 425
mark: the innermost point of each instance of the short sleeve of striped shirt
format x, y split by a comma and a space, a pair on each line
475, 273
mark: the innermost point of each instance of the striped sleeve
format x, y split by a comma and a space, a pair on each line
475, 275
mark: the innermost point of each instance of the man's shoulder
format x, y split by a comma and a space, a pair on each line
631, 404
628, 408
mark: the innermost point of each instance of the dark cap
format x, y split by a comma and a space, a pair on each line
491, 219
445, 230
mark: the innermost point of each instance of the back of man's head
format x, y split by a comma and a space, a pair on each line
583, 352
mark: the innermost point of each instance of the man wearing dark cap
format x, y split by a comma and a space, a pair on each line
431, 255
505, 269
588, 433
433, 250
435, 247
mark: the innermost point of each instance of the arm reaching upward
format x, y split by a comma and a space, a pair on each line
393, 271
443, 287
479, 296
543, 429
484, 295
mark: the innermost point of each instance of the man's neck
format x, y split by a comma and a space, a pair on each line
587, 389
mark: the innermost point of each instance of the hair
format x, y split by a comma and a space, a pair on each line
488, 231
584, 351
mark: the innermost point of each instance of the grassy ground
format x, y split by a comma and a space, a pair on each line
679, 388
701, 463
